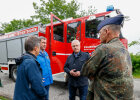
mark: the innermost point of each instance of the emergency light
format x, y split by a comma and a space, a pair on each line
110, 8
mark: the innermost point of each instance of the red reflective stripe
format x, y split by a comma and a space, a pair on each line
4, 68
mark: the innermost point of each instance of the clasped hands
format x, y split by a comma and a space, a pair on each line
74, 73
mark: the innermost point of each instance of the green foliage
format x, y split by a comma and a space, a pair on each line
135, 62
1, 32
90, 11
16, 24
136, 75
60, 8
2, 98
134, 43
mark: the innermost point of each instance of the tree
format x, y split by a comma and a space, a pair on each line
60, 8
135, 58
134, 43
90, 11
137, 42
135, 62
1, 32
16, 24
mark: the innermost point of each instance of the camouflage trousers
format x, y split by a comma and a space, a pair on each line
90, 95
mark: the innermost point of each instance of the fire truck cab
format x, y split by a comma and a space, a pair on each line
59, 34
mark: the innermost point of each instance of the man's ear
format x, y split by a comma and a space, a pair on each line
108, 31
35, 48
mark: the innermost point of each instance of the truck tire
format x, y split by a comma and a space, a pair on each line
14, 73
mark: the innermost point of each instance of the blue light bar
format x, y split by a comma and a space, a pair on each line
110, 8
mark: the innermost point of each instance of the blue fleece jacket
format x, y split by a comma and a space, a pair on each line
44, 62
29, 84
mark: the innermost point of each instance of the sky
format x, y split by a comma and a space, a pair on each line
23, 9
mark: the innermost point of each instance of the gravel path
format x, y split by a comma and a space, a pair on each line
58, 91
8, 86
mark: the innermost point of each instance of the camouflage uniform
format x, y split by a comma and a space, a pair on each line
110, 68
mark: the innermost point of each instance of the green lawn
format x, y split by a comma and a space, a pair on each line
136, 75
2, 98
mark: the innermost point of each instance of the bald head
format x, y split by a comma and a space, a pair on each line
75, 46
75, 41
109, 32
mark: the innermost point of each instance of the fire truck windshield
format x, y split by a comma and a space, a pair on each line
91, 27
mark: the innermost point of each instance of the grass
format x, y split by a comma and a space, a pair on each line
3, 98
136, 75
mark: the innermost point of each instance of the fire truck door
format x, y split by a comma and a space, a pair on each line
57, 45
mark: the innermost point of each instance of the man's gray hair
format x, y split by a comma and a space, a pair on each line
41, 37
116, 28
75, 41
31, 42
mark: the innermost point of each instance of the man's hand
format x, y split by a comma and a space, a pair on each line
72, 72
43, 79
75, 74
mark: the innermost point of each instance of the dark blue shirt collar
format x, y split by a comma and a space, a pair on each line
76, 55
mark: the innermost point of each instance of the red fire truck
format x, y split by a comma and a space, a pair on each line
59, 34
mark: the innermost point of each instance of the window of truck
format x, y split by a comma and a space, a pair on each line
58, 32
91, 27
74, 31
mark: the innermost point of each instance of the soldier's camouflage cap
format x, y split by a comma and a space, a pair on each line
117, 20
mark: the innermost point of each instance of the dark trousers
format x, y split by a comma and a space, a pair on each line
90, 95
83, 90
47, 89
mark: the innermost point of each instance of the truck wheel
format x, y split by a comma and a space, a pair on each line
14, 73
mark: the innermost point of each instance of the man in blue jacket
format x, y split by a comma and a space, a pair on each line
29, 84
73, 68
44, 61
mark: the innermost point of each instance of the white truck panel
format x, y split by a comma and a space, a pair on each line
3, 52
14, 48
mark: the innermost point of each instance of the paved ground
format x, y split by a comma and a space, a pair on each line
58, 91
137, 88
